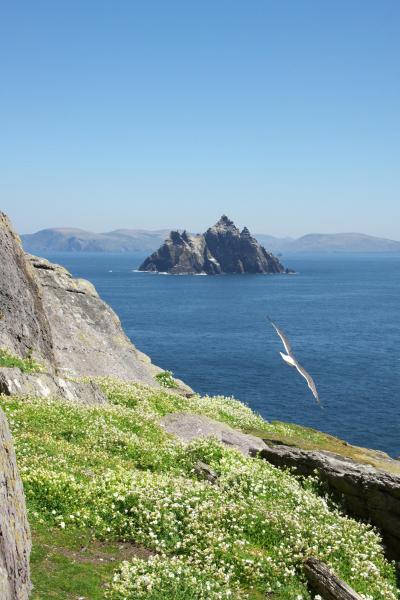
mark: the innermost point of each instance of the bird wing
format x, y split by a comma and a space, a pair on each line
309, 379
283, 337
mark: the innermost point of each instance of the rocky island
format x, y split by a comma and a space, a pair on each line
221, 249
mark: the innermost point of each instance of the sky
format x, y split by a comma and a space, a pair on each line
283, 114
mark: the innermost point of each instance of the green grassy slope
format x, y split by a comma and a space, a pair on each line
106, 484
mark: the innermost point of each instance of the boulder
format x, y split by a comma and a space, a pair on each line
188, 427
221, 249
15, 540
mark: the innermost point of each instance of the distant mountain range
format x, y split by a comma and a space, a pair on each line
64, 239
329, 242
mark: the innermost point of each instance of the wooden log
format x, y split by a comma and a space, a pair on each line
324, 582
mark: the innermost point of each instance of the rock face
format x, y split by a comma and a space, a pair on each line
15, 540
64, 324
44, 385
221, 249
23, 323
188, 427
87, 335
366, 492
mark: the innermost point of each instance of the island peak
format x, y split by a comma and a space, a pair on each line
225, 221
221, 249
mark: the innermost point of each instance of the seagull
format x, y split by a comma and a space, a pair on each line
291, 360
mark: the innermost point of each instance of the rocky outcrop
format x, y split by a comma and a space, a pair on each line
188, 427
87, 335
15, 540
64, 324
222, 249
365, 492
44, 385
24, 327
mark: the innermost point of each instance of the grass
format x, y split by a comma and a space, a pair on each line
118, 511
165, 379
67, 564
27, 365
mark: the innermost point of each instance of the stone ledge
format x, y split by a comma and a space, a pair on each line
366, 492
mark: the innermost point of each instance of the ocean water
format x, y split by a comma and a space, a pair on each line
341, 314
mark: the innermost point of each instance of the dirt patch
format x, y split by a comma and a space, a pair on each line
101, 552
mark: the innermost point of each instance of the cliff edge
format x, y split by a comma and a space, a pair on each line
61, 323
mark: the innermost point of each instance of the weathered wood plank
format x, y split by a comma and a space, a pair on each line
323, 581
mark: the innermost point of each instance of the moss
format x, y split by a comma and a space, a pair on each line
311, 439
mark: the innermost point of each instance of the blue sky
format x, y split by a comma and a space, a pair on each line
285, 115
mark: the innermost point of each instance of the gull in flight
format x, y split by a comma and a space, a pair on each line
291, 360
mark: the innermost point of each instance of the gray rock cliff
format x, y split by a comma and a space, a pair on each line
24, 326
64, 324
15, 539
221, 249
87, 336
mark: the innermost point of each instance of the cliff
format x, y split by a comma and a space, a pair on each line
24, 327
53, 328
63, 324
15, 539
87, 335
221, 249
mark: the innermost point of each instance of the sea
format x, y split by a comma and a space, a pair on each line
340, 312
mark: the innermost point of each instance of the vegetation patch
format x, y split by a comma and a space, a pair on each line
166, 379
111, 475
311, 439
27, 365
67, 564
